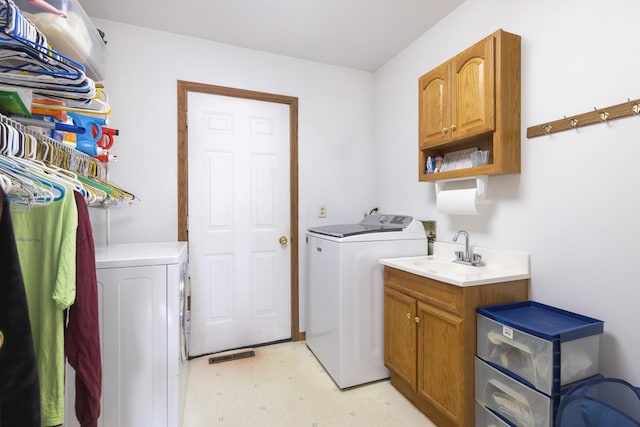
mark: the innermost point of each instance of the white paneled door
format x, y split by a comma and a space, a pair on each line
238, 221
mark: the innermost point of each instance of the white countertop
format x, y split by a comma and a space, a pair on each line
499, 266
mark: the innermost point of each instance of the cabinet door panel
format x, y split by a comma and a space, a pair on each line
400, 335
473, 98
441, 361
434, 106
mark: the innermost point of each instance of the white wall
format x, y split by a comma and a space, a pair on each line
335, 128
575, 205
572, 207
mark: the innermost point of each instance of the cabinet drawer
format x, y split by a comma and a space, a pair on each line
532, 358
442, 295
486, 418
518, 403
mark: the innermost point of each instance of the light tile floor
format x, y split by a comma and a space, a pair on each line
285, 386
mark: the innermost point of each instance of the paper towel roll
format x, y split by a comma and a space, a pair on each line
458, 202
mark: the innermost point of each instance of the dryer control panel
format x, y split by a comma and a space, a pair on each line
387, 221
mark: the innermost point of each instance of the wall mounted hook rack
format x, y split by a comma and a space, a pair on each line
598, 115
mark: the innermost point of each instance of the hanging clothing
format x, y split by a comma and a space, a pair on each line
19, 385
46, 241
82, 336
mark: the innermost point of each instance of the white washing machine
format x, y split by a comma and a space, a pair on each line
345, 292
142, 290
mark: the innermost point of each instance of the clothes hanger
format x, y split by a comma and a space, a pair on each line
59, 191
26, 189
27, 60
96, 106
48, 172
62, 165
5, 183
116, 197
24, 33
79, 162
15, 164
56, 167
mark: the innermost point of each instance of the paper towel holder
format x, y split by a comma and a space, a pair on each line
482, 181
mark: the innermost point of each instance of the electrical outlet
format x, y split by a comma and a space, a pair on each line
322, 211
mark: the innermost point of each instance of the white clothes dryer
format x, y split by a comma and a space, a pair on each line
345, 292
142, 291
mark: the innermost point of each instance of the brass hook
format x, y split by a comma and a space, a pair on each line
603, 115
572, 122
635, 108
547, 129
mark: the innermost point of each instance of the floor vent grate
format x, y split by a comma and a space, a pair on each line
234, 356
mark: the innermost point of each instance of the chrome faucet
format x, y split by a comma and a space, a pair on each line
466, 257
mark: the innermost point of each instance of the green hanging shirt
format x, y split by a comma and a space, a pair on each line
46, 241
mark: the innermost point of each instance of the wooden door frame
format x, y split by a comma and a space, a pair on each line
184, 87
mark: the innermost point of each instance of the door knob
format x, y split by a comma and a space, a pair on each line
283, 240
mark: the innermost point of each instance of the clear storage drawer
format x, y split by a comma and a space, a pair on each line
516, 402
545, 346
486, 418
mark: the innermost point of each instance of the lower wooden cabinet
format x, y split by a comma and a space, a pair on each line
430, 340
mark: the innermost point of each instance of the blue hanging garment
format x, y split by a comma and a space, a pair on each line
600, 402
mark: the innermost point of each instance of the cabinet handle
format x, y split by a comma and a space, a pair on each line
444, 131
408, 315
417, 319
453, 128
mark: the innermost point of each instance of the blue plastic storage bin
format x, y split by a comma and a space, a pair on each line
543, 346
544, 321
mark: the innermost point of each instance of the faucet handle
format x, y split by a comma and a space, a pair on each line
476, 259
460, 255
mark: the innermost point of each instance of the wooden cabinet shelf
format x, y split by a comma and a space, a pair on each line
473, 100
430, 340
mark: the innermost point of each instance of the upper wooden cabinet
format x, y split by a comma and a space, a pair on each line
473, 100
